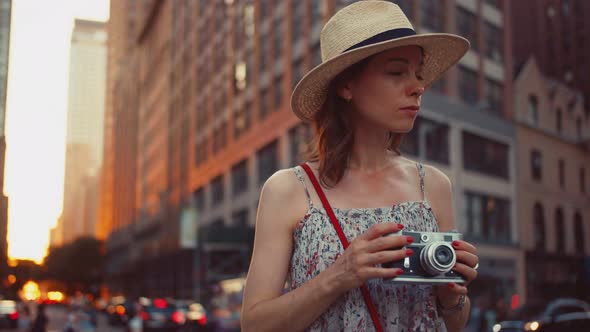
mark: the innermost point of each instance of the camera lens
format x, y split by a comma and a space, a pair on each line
437, 258
443, 255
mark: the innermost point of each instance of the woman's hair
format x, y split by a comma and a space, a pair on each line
334, 131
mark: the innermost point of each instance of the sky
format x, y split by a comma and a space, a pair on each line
36, 117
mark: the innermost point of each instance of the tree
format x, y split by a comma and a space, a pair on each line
78, 264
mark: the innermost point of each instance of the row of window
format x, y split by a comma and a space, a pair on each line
539, 231
537, 171
430, 140
267, 163
533, 116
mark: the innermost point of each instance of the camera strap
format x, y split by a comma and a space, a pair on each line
343, 240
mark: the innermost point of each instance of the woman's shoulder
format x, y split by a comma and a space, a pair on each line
432, 175
284, 189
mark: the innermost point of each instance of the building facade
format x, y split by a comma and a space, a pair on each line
213, 123
554, 200
85, 119
556, 33
5, 19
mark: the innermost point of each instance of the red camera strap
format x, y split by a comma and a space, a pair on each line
344, 241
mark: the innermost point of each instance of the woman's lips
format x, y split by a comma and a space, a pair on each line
411, 110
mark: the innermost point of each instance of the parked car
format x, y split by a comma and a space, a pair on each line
564, 314
196, 317
8, 314
119, 311
162, 315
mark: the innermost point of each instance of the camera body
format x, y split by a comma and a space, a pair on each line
432, 261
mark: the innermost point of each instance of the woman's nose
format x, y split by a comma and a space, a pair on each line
416, 87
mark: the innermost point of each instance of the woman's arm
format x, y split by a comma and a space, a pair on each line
282, 204
440, 195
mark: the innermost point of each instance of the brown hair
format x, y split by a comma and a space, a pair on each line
334, 132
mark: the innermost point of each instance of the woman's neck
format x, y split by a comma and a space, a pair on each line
370, 153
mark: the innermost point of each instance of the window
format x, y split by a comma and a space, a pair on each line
239, 178
217, 190
436, 140
484, 155
240, 217
467, 85
199, 199
539, 227
432, 14
263, 52
278, 92
297, 72
317, 8
264, 10
536, 165
494, 42
533, 110
279, 35
268, 161
298, 12
579, 233
316, 54
488, 218
495, 96
561, 166
410, 141
467, 26
299, 137
264, 103
201, 152
559, 231
582, 180
558, 119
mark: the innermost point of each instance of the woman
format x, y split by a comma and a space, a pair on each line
362, 99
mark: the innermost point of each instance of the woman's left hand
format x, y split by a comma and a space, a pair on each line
466, 266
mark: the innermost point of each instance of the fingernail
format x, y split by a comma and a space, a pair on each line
409, 252
410, 239
400, 226
399, 272
455, 243
451, 285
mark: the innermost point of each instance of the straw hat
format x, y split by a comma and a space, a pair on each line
363, 29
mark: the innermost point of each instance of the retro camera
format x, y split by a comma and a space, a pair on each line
432, 261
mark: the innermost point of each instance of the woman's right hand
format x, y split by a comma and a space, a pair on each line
359, 261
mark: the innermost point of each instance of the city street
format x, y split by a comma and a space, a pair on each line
57, 319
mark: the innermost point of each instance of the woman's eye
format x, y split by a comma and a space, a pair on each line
395, 73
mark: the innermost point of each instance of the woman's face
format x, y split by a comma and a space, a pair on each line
386, 92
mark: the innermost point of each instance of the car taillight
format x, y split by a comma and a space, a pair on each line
14, 315
178, 317
202, 321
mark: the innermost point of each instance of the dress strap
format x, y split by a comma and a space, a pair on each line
422, 174
299, 174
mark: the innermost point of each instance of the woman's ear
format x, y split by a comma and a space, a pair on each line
344, 90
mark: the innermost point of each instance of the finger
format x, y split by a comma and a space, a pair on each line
467, 258
389, 242
381, 272
457, 289
380, 229
467, 272
462, 245
387, 256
